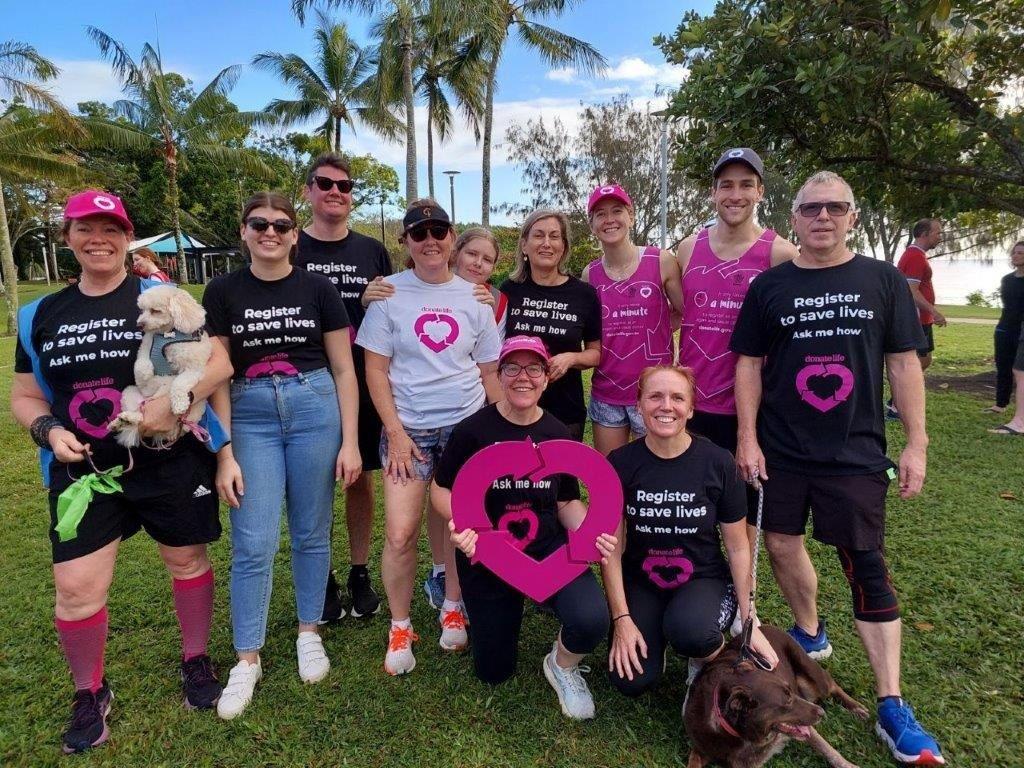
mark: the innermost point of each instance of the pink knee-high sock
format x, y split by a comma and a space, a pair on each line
83, 642
193, 602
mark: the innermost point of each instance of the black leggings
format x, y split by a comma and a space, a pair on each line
496, 618
690, 617
1006, 349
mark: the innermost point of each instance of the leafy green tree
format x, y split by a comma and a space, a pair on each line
907, 99
175, 124
339, 88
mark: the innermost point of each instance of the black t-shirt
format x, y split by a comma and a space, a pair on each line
349, 263
530, 514
274, 326
86, 347
824, 334
564, 317
1011, 290
673, 508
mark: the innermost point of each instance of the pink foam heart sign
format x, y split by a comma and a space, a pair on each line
817, 377
436, 330
498, 549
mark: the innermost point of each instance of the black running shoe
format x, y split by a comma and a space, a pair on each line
200, 683
88, 725
334, 610
365, 602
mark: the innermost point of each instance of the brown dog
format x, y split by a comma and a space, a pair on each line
739, 715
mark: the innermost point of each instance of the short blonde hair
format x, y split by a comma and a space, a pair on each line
823, 177
521, 270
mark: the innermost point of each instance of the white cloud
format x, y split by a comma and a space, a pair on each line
631, 68
562, 75
84, 80
631, 74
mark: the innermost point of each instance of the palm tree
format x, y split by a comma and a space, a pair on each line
496, 19
396, 32
176, 124
24, 143
339, 88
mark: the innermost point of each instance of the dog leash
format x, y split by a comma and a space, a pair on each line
747, 652
75, 499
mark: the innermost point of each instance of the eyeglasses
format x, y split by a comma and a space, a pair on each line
834, 208
281, 226
436, 231
324, 184
533, 370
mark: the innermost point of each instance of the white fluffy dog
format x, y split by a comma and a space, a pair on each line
174, 352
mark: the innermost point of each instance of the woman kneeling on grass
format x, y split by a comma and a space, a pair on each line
75, 354
293, 410
671, 584
547, 512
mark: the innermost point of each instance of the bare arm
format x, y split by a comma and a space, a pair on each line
907, 382
749, 457
489, 377
339, 354
588, 358
782, 251
671, 281
734, 536
923, 303
28, 403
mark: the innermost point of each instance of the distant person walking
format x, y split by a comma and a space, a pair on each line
1008, 329
915, 267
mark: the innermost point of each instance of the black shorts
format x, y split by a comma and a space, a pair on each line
848, 510
173, 497
370, 425
1018, 361
929, 341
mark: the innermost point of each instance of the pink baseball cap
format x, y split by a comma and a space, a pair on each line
95, 202
524, 344
608, 190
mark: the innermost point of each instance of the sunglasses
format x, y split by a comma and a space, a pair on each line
324, 184
436, 231
533, 370
834, 208
281, 226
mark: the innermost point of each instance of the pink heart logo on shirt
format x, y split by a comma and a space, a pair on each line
668, 571
824, 376
436, 330
522, 524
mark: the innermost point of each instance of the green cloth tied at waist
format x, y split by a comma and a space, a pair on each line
75, 499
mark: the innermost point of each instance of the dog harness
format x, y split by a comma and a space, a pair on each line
158, 353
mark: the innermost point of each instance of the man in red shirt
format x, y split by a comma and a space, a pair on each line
915, 267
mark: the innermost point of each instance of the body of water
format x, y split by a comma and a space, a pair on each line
955, 278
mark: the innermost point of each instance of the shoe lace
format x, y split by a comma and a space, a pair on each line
85, 709
902, 717
574, 678
453, 619
401, 637
198, 671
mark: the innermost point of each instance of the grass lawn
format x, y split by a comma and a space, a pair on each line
955, 553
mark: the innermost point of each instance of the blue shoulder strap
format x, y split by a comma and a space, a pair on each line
26, 318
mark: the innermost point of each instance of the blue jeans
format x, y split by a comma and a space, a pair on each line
286, 434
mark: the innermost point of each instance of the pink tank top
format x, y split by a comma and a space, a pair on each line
636, 329
713, 291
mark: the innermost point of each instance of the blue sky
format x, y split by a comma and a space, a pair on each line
199, 38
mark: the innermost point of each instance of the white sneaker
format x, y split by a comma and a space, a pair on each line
238, 692
313, 662
399, 659
572, 690
453, 630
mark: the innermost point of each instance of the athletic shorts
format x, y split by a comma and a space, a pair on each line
929, 341
369, 422
847, 510
612, 415
173, 497
431, 443
1018, 361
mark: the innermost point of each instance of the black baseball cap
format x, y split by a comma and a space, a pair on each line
423, 214
739, 155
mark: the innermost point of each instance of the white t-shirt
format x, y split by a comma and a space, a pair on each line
436, 335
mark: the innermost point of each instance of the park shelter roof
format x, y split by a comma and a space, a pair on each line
165, 243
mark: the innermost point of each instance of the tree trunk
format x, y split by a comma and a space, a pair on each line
337, 133
9, 268
485, 182
430, 148
411, 192
172, 189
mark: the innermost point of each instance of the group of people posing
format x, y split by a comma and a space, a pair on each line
327, 367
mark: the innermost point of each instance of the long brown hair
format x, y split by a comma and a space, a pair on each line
274, 200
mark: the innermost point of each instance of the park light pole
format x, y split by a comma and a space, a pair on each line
663, 114
451, 188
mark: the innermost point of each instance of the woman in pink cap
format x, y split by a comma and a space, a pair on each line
537, 516
638, 288
75, 354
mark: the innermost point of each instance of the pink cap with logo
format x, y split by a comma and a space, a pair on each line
606, 191
524, 344
95, 202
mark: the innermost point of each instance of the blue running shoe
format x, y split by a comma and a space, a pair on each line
434, 587
817, 646
906, 739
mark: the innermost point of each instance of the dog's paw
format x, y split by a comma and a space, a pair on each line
860, 712
124, 420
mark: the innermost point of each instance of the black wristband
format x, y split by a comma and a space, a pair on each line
40, 429
620, 616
